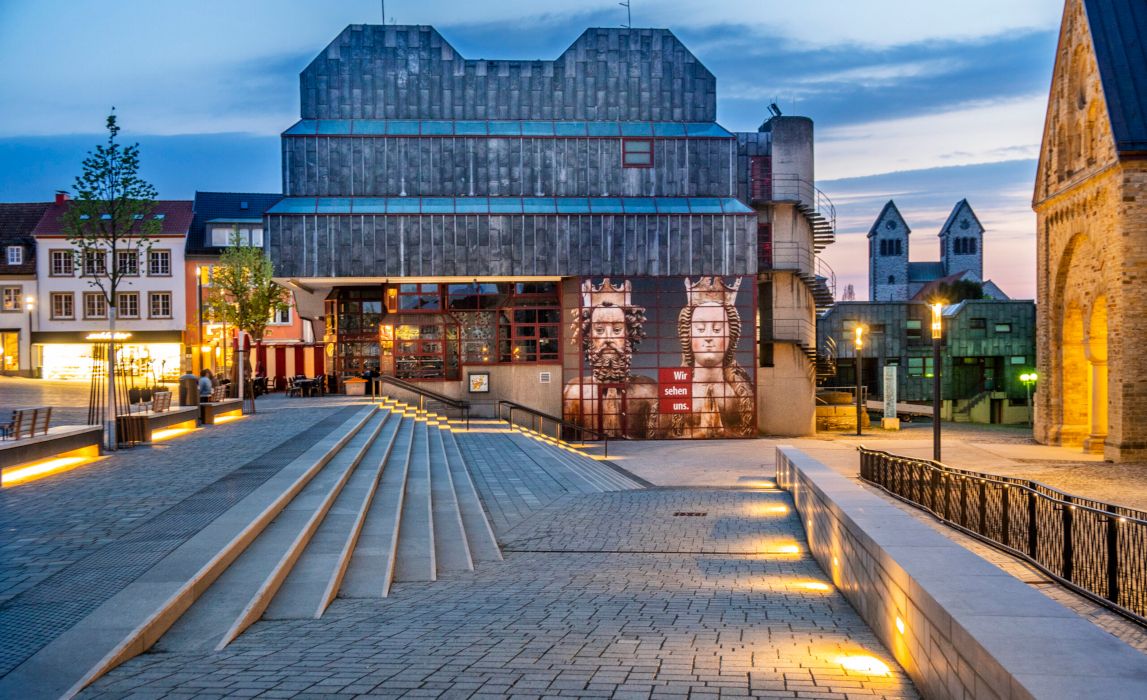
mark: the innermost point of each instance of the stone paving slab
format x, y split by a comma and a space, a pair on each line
568, 623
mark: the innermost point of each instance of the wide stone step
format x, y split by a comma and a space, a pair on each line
415, 557
371, 569
480, 537
239, 596
315, 580
451, 550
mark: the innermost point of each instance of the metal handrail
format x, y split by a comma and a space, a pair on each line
788, 188
1097, 549
424, 394
540, 418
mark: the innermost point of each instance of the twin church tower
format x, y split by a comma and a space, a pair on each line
891, 277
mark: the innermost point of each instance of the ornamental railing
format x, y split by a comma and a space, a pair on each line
1097, 549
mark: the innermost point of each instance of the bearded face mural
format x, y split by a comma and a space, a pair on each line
610, 399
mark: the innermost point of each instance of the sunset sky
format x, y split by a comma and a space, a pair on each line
925, 103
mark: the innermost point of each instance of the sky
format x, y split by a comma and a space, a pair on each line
925, 102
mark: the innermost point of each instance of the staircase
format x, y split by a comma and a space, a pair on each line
962, 413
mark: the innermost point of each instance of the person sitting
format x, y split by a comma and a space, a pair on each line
206, 385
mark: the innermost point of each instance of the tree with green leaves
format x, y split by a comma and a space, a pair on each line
955, 292
243, 294
110, 228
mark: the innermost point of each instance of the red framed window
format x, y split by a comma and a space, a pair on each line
637, 153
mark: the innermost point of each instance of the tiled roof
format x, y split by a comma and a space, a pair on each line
1118, 28
175, 216
947, 227
888, 212
17, 221
224, 206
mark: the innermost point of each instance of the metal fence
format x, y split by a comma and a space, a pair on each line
1098, 549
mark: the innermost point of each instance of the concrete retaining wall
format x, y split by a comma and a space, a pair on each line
959, 626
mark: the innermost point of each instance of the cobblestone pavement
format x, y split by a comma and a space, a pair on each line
72, 541
69, 400
669, 606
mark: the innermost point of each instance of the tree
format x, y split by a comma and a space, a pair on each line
958, 291
243, 294
110, 228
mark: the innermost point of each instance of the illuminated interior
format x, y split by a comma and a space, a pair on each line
73, 361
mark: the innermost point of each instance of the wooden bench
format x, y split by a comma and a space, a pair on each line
32, 457
218, 406
26, 422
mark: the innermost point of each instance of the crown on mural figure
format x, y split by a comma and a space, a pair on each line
607, 294
712, 290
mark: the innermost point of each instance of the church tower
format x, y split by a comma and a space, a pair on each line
888, 256
962, 241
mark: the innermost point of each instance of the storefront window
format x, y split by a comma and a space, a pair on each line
10, 347
419, 297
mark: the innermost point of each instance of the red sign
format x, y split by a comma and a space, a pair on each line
675, 389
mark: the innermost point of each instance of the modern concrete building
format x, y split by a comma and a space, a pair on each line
987, 345
578, 234
893, 277
1091, 213
72, 313
18, 296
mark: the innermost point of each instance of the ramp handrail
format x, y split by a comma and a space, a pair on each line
540, 418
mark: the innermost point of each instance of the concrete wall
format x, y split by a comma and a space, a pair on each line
786, 403
518, 383
959, 626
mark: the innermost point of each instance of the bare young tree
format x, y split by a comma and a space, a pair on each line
110, 228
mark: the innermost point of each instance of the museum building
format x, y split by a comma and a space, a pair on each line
577, 235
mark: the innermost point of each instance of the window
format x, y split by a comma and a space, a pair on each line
11, 298
95, 305
474, 296
1003, 328
919, 366
536, 323
95, 264
978, 324
62, 305
248, 236
637, 153
159, 305
1018, 359
891, 279
127, 262
965, 246
127, 304
63, 263
891, 246
418, 297
159, 263
15, 255
913, 327
281, 317
876, 328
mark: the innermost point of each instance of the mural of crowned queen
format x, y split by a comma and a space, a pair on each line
610, 399
722, 395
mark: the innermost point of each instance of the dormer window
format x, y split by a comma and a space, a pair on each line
15, 255
637, 153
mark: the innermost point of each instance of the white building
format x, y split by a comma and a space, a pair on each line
17, 285
71, 312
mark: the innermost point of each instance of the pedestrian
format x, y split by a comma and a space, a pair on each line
206, 384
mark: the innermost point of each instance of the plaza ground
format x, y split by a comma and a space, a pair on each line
700, 585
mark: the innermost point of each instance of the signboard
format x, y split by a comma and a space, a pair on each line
479, 382
675, 389
890, 391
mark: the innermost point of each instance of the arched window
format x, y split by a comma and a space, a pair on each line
891, 279
971, 246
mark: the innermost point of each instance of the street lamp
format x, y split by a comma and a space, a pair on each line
1028, 379
30, 306
937, 332
858, 340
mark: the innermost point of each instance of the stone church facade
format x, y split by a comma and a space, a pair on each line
1091, 209
578, 235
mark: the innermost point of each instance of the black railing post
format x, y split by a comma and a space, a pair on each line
1005, 518
1112, 556
1033, 524
1068, 546
983, 489
963, 501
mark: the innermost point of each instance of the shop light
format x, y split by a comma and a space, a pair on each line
105, 335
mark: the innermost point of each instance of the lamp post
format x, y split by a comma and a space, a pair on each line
858, 340
30, 306
937, 332
1028, 379
199, 310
